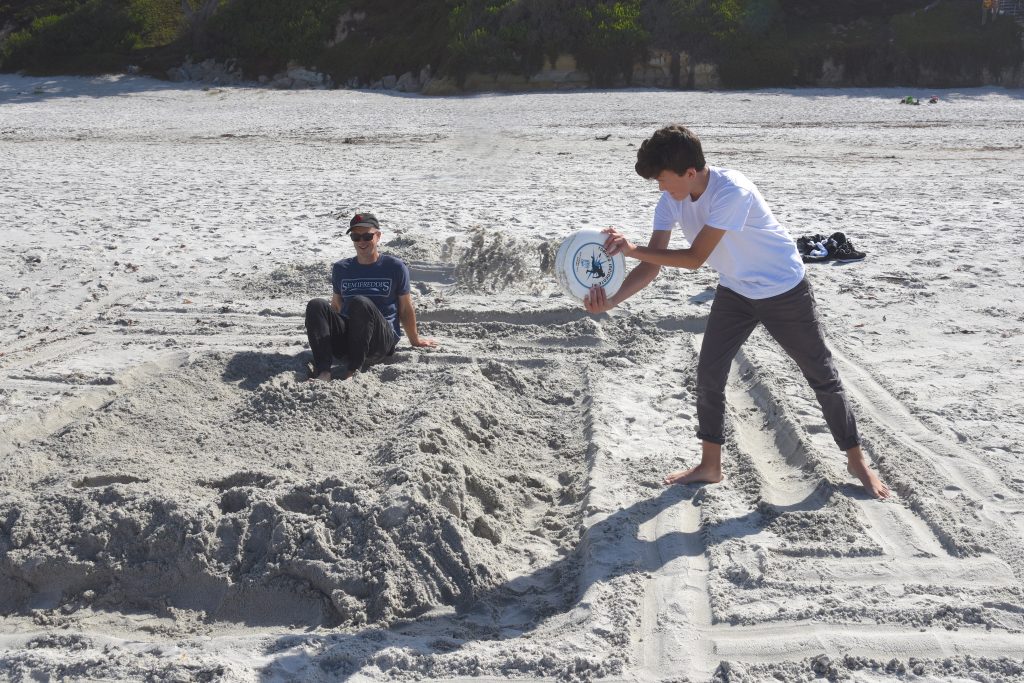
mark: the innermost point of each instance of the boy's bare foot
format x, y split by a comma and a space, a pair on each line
324, 376
700, 473
858, 467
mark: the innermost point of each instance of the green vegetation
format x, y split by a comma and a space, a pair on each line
753, 42
925, 41
265, 34
611, 40
85, 36
394, 37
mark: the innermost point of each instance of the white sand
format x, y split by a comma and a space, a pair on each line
177, 504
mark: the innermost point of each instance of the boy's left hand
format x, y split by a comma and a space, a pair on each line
617, 243
597, 301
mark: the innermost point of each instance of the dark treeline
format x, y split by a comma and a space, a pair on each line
752, 42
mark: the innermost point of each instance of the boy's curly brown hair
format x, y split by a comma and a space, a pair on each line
675, 148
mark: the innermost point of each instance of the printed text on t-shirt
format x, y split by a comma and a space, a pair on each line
366, 287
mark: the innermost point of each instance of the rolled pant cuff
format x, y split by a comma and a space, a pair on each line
720, 440
847, 444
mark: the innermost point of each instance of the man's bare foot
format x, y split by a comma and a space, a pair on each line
324, 376
702, 472
858, 467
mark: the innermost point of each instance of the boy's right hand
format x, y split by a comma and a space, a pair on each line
617, 242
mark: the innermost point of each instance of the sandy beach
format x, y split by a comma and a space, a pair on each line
177, 503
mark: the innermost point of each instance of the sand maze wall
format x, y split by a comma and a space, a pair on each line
753, 578
826, 555
492, 489
233, 488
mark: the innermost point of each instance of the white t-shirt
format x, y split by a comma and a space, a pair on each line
756, 257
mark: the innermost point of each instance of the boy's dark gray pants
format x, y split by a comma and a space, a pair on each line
792, 319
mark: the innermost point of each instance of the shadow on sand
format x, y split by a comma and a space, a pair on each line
503, 612
16, 89
250, 369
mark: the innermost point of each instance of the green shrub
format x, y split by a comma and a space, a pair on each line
394, 38
483, 38
757, 62
88, 37
861, 48
611, 39
267, 34
842, 11
160, 21
755, 50
755, 43
950, 39
97, 35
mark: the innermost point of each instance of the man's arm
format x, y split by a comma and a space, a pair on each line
693, 258
336, 302
407, 316
638, 278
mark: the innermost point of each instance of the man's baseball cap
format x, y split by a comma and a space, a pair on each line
363, 220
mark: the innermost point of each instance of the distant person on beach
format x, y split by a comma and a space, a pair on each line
371, 297
761, 280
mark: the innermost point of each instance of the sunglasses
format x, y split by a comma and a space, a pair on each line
365, 237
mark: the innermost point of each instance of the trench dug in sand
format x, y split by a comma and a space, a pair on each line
233, 488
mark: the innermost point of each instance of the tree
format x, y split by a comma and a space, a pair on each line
197, 17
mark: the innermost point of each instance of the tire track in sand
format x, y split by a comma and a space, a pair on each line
961, 498
722, 539
649, 404
910, 556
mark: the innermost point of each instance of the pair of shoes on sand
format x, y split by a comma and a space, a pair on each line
835, 247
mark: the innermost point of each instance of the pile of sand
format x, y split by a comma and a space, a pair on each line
233, 488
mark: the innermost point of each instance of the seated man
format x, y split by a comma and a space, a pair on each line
371, 297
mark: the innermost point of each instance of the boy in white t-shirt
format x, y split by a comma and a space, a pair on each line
730, 227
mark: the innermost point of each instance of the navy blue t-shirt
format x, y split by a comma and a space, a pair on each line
381, 282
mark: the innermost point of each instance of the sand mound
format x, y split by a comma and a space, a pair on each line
359, 502
292, 280
493, 262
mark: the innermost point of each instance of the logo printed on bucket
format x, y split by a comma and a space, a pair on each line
592, 265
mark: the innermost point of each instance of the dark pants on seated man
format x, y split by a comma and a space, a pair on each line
363, 336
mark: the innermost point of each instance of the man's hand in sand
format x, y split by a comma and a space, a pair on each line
423, 343
617, 242
597, 301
